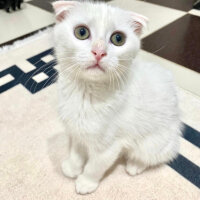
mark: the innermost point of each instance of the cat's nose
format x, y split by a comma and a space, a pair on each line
99, 53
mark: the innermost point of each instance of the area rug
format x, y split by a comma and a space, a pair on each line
33, 142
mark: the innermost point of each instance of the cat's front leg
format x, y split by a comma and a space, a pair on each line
98, 163
73, 165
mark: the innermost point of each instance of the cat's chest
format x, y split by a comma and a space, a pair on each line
82, 113
85, 110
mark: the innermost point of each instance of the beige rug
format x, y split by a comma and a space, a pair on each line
33, 143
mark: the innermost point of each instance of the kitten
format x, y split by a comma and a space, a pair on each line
110, 102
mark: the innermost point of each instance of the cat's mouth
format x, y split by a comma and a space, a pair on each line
96, 66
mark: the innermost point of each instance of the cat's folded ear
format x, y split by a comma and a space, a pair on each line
138, 22
61, 8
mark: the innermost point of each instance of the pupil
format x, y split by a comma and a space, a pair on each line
118, 38
82, 31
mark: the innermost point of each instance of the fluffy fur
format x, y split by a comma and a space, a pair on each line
130, 108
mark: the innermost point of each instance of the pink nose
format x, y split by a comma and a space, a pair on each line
98, 53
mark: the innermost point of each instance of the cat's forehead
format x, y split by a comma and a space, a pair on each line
99, 14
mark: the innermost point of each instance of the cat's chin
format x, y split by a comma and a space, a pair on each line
96, 67
94, 75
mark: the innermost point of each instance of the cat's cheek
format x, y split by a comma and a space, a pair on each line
111, 59
105, 64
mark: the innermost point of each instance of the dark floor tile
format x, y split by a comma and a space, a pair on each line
184, 5
178, 42
197, 5
44, 4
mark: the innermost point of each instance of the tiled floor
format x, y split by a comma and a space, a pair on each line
22, 22
44, 4
172, 37
158, 15
29, 123
184, 5
178, 42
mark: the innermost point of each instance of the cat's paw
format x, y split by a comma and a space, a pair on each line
85, 186
69, 169
134, 169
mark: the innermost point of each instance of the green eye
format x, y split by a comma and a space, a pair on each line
118, 39
81, 32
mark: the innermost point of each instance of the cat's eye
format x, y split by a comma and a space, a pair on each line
118, 38
82, 33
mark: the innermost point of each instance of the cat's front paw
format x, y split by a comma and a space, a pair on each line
85, 186
70, 170
134, 169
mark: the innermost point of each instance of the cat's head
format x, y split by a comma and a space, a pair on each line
95, 41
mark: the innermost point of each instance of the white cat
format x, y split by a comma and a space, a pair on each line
111, 103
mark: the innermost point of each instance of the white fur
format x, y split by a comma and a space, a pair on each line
129, 109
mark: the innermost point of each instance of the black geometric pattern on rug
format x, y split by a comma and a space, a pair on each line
187, 169
26, 79
192, 136
183, 165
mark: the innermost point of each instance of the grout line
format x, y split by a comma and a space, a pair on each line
10, 42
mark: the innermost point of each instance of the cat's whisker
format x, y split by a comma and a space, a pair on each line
113, 80
78, 74
67, 57
115, 72
55, 74
123, 66
38, 71
125, 59
24, 75
69, 71
156, 51
49, 79
121, 77
109, 79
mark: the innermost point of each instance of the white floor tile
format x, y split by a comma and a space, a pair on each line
185, 78
159, 16
24, 21
195, 12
